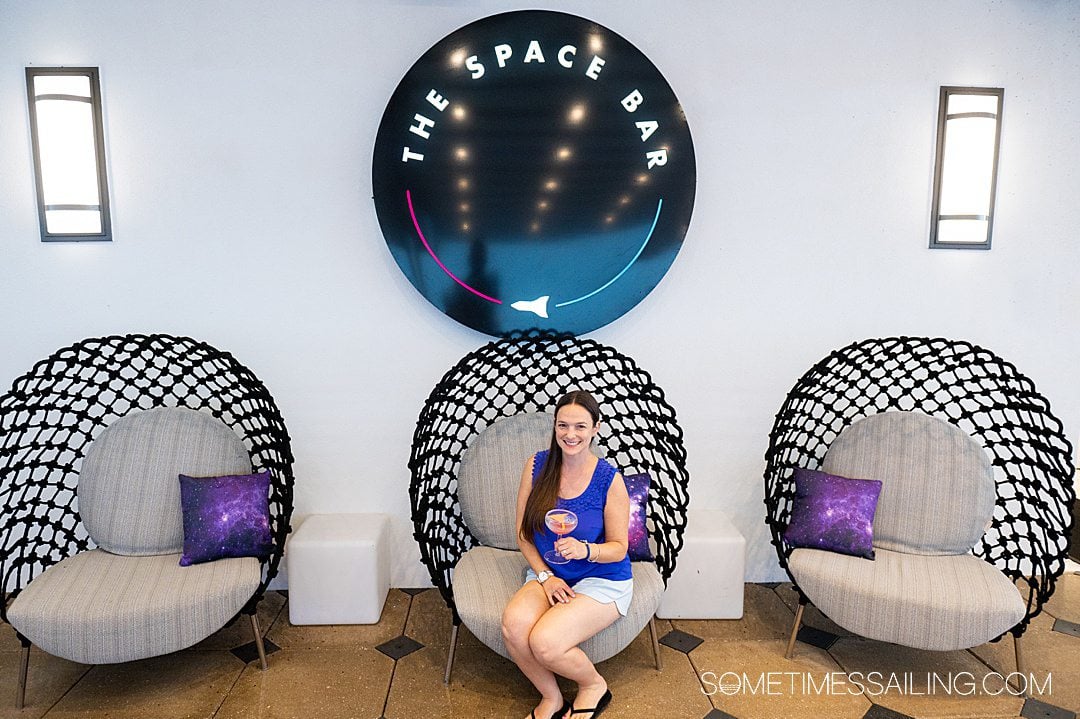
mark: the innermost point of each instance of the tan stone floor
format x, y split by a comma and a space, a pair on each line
737, 670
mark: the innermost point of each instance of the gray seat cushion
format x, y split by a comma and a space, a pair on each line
486, 578
129, 488
928, 602
490, 474
101, 608
937, 493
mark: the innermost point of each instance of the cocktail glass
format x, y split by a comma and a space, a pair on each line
559, 521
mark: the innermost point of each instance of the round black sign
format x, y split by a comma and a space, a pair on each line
534, 169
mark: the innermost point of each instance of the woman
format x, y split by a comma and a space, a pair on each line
561, 606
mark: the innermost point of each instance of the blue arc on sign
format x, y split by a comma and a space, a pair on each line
598, 290
526, 305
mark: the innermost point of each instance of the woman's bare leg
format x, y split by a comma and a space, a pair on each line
519, 618
555, 638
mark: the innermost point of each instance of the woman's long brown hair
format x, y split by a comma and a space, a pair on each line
545, 491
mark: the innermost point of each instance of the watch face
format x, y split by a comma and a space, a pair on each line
534, 170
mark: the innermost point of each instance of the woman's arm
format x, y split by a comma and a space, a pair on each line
555, 588
616, 523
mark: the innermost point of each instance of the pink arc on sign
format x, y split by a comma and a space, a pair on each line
416, 224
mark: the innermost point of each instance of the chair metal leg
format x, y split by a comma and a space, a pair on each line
24, 667
794, 630
655, 643
1021, 665
258, 640
450, 654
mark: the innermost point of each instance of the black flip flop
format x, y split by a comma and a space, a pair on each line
595, 711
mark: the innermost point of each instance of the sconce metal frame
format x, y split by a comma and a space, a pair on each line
944, 117
94, 100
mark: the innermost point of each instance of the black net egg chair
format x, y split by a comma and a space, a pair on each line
967, 390
520, 377
51, 416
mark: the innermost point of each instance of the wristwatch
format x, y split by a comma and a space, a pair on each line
544, 576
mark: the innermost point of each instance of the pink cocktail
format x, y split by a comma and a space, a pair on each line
561, 522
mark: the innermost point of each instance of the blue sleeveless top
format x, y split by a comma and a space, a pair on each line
589, 508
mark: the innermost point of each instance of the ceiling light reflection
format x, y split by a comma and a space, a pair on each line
457, 57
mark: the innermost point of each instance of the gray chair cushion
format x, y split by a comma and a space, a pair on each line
928, 602
937, 494
486, 578
490, 474
129, 487
101, 608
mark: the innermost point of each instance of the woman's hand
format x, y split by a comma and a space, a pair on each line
557, 591
571, 548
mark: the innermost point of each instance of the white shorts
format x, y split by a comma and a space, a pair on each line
605, 591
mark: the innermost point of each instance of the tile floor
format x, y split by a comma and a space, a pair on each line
712, 670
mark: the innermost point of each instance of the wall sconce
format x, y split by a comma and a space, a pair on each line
965, 170
69, 153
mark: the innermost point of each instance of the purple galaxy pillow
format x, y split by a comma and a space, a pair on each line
833, 513
225, 517
637, 486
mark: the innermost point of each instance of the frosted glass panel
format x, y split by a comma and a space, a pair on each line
967, 232
67, 152
973, 103
968, 171
82, 222
62, 85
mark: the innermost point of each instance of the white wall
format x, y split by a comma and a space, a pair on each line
240, 136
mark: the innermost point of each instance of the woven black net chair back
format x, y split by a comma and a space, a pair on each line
529, 372
52, 414
970, 387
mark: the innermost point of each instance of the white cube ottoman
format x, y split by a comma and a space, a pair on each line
710, 571
339, 569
